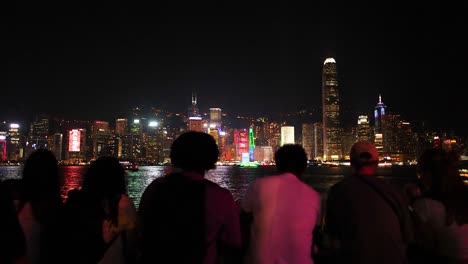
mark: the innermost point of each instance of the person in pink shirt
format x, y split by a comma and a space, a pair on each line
285, 212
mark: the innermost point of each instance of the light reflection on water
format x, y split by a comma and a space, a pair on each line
233, 178
73, 178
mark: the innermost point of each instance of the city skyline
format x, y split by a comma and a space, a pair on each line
94, 63
309, 115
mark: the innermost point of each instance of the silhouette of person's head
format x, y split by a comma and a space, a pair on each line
105, 177
41, 182
291, 158
194, 151
364, 157
438, 170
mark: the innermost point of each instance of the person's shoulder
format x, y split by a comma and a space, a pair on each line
152, 188
313, 192
269, 178
216, 188
343, 183
154, 183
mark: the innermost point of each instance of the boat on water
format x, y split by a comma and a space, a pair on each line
248, 164
129, 165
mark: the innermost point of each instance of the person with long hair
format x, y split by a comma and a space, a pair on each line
100, 212
442, 213
40, 207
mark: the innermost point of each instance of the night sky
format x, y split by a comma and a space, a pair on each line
98, 61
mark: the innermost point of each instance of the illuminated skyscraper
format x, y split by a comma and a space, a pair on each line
56, 145
38, 134
331, 111
287, 135
215, 115
363, 128
317, 149
76, 146
379, 115
195, 124
101, 138
380, 111
3, 146
193, 109
251, 143
136, 134
15, 151
121, 125
241, 143
308, 139
156, 136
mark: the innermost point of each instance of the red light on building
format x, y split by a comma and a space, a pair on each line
436, 142
3, 148
241, 141
74, 137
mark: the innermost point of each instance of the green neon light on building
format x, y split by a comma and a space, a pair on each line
251, 143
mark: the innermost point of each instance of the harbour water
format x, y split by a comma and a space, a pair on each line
233, 178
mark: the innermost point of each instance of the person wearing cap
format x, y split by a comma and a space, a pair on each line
285, 212
185, 218
367, 219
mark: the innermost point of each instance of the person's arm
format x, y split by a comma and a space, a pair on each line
317, 233
231, 240
246, 214
12, 241
424, 231
145, 209
331, 239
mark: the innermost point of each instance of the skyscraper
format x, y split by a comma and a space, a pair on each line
38, 133
317, 149
215, 115
15, 150
363, 128
193, 109
121, 125
101, 138
251, 143
380, 111
56, 145
195, 123
308, 139
76, 150
136, 134
287, 135
331, 111
241, 143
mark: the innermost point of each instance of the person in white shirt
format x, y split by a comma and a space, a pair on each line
285, 212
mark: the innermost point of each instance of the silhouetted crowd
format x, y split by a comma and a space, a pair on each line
184, 218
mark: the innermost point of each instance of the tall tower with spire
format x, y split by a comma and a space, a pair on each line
380, 111
331, 111
193, 109
194, 119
